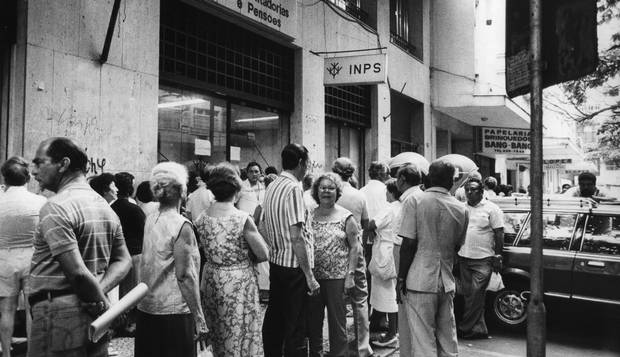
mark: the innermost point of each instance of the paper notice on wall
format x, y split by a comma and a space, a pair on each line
202, 147
235, 153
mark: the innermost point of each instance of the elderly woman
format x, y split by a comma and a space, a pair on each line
170, 316
231, 244
335, 258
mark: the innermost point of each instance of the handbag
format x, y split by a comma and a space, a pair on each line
382, 261
495, 283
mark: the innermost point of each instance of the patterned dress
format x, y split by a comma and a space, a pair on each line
230, 287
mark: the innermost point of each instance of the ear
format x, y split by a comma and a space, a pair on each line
65, 162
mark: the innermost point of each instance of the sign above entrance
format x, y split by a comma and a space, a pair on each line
505, 141
280, 15
355, 70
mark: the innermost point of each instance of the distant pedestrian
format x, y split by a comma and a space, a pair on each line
144, 198
19, 217
232, 245
460, 191
201, 199
565, 187
79, 255
290, 256
489, 187
105, 186
271, 170
336, 251
386, 224
307, 187
252, 192
480, 255
355, 202
170, 318
587, 188
433, 228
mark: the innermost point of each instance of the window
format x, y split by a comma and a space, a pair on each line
557, 231
513, 221
602, 235
353, 7
406, 20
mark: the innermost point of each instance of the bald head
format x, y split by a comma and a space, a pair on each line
343, 166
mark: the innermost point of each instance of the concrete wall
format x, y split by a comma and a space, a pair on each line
489, 44
112, 108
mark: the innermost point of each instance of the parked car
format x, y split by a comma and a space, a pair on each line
581, 254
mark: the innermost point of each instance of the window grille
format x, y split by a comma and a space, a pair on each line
350, 104
353, 7
399, 21
202, 50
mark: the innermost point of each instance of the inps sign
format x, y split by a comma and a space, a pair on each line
367, 69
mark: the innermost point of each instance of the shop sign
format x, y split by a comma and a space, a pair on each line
355, 70
280, 15
202, 147
556, 163
505, 141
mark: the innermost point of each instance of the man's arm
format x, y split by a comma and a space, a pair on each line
409, 247
81, 279
498, 234
120, 264
299, 249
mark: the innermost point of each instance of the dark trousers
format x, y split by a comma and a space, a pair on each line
475, 275
333, 297
284, 324
164, 335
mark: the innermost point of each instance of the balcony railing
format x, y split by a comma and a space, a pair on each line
404, 45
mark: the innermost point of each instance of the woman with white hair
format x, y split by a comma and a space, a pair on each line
170, 317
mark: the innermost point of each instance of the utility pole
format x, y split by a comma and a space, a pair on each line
536, 312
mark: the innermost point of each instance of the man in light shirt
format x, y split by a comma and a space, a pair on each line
252, 192
19, 216
480, 255
201, 199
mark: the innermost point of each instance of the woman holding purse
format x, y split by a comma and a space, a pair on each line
382, 266
232, 245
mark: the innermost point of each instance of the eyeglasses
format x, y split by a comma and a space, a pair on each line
327, 188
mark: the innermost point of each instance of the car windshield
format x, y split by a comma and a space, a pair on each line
557, 231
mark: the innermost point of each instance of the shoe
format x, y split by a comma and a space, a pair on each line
386, 341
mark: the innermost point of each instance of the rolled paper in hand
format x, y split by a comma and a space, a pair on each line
100, 326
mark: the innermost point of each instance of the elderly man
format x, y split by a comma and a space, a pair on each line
355, 202
433, 228
290, 258
478, 257
19, 216
79, 255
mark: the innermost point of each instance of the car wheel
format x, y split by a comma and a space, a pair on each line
509, 307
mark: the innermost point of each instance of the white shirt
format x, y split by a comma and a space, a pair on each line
250, 196
198, 202
353, 200
480, 239
388, 223
376, 201
19, 216
309, 200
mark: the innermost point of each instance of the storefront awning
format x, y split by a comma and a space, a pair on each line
490, 110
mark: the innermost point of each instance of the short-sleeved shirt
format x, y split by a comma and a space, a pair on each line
250, 196
284, 207
331, 249
576, 192
388, 223
198, 202
480, 239
19, 217
354, 201
157, 265
376, 200
75, 218
439, 222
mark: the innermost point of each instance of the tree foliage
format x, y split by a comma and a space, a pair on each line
604, 84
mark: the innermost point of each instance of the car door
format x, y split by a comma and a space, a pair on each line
558, 230
596, 274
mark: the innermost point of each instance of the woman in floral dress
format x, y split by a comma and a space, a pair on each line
336, 252
232, 245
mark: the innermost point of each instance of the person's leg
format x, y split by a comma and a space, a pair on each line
315, 315
336, 316
8, 305
475, 274
392, 323
148, 336
446, 326
273, 331
421, 308
294, 313
404, 335
360, 307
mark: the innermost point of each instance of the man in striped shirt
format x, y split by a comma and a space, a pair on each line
290, 258
79, 255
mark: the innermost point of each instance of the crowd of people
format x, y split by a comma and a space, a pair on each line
396, 250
